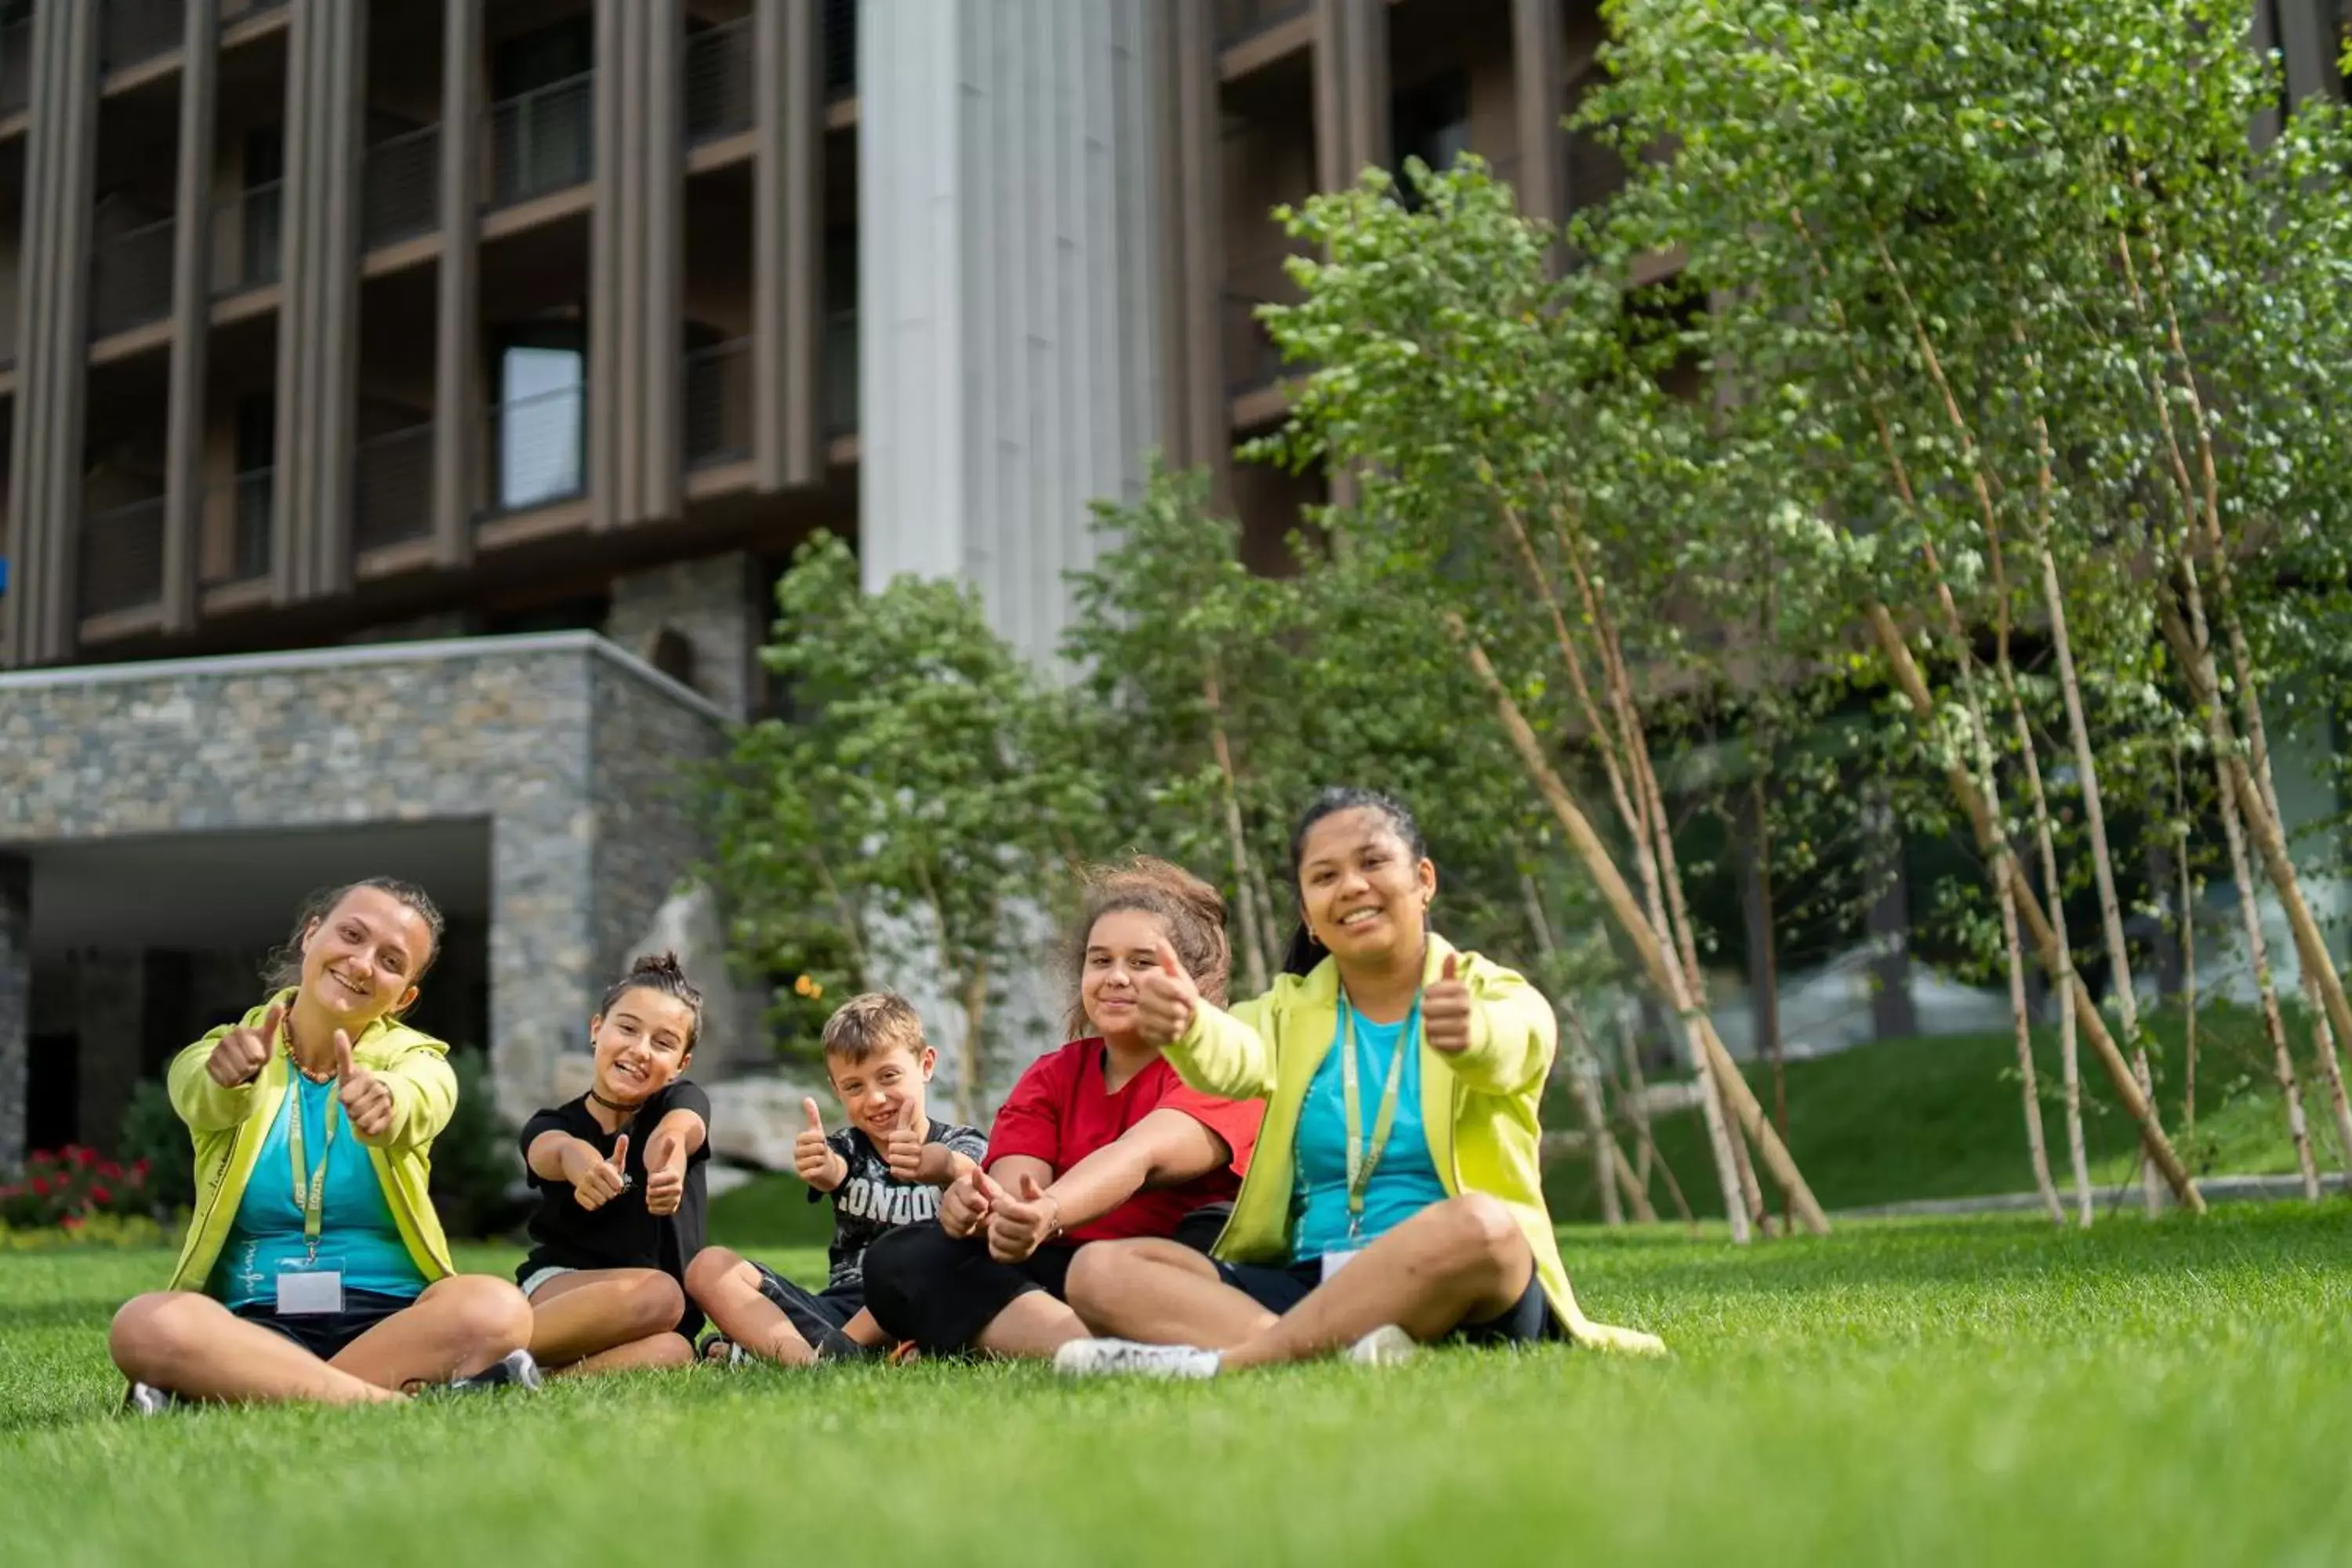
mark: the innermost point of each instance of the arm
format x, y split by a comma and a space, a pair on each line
942, 1166
552, 1155
1007, 1171
1225, 1054
424, 1097
205, 1106
1166, 1148
1513, 1032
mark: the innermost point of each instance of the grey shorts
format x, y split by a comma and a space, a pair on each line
538, 1277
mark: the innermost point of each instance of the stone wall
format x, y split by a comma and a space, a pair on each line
564, 745
710, 603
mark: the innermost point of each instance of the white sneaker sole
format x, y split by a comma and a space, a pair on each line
1386, 1345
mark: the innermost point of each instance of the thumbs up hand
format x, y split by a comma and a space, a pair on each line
903, 1149
965, 1206
813, 1157
242, 1053
1018, 1226
1446, 1011
1165, 999
664, 1173
596, 1179
367, 1098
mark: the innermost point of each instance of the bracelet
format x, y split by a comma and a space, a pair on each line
1057, 1217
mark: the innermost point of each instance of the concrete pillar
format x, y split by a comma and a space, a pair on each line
708, 604
1008, 286
15, 1004
109, 1017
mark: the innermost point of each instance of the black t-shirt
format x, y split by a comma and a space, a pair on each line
870, 1201
620, 1234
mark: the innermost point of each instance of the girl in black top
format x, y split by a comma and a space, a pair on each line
620, 1178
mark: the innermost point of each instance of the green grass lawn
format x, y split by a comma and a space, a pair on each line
1943, 1118
1947, 1392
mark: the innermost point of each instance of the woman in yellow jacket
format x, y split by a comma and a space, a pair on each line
315, 1268
1396, 1196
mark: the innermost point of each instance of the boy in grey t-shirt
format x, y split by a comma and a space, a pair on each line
883, 1171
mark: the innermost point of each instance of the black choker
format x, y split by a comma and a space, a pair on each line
609, 1105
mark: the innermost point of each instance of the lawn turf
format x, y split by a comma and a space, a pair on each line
2177, 1391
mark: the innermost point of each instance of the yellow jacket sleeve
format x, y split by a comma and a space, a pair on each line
203, 1104
1227, 1054
1514, 1033
424, 1097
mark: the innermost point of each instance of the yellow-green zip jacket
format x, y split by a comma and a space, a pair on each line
229, 1126
1478, 1110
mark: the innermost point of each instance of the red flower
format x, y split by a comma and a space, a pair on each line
102, 1194
109, 1170
40, 1186
72, 1222
81, 1157
42, 1157
139, 1167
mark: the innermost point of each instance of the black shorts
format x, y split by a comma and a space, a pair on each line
324, 1334
1279, 1288
924, 1285
813, 1313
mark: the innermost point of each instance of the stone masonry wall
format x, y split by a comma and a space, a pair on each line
506, 730
708, 603
15, 1004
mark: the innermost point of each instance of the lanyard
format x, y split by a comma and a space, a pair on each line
1363, 1160
310, 1189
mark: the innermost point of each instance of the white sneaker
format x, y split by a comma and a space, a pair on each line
1386, 1345
1116, 1358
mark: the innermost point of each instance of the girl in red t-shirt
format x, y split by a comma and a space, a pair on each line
1099, 1140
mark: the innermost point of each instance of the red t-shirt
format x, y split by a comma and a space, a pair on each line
1060, 1112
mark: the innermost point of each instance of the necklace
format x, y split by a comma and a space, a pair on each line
327, 1076
612, 1105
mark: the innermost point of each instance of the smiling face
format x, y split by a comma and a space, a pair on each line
361, 961
1121, 946
877, 1091
1364, 894
642, 1042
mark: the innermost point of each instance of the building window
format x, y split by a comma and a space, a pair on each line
1430, 122
543, 381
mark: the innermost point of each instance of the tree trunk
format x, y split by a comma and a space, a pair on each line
2258, 954
2135, 1104
2070, 1074
1764, 965
971, 1106
1584, 1086
2186, 928
1658, 963
1634, 1094
2035, 1145
2102, 866
1256, 967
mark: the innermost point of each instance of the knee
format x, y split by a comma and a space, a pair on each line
890, 1266
486, 1314
1481, 1235
668, 1351
154, 1332
653, 1302
1096, 1274
707, 1272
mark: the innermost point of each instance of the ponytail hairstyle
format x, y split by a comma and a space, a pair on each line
660, 972
283, 967
1304, 952
1192, 912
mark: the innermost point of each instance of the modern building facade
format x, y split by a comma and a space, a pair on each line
409, 403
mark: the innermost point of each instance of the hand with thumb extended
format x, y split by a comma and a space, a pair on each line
1445, 1010
664, 1173
1166, 998
812, 1158
242, 1053
903, 1150
367, 1098
1019, 1226
596, 1179
963, 1206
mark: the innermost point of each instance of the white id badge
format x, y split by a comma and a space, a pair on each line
305, 1291
1335, 1261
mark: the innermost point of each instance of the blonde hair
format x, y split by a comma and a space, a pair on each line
866, 1026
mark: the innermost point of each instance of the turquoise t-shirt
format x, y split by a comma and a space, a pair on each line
356, 1230
1403, 1183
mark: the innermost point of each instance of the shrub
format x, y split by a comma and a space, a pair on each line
475, 1165
153, 1134
69, 1186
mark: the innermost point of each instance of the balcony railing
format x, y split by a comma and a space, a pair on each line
837, 373
1251, 361
400, 188
538, 449
130, 280
718, 82
16, 66
233, 10
1238, 20
718, 404
248, 239
840, 44
122, 558
391, 488
130, 31
251, 499
542, 141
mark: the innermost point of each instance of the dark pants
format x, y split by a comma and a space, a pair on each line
324, 1334
1280, 1287
924, 1285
